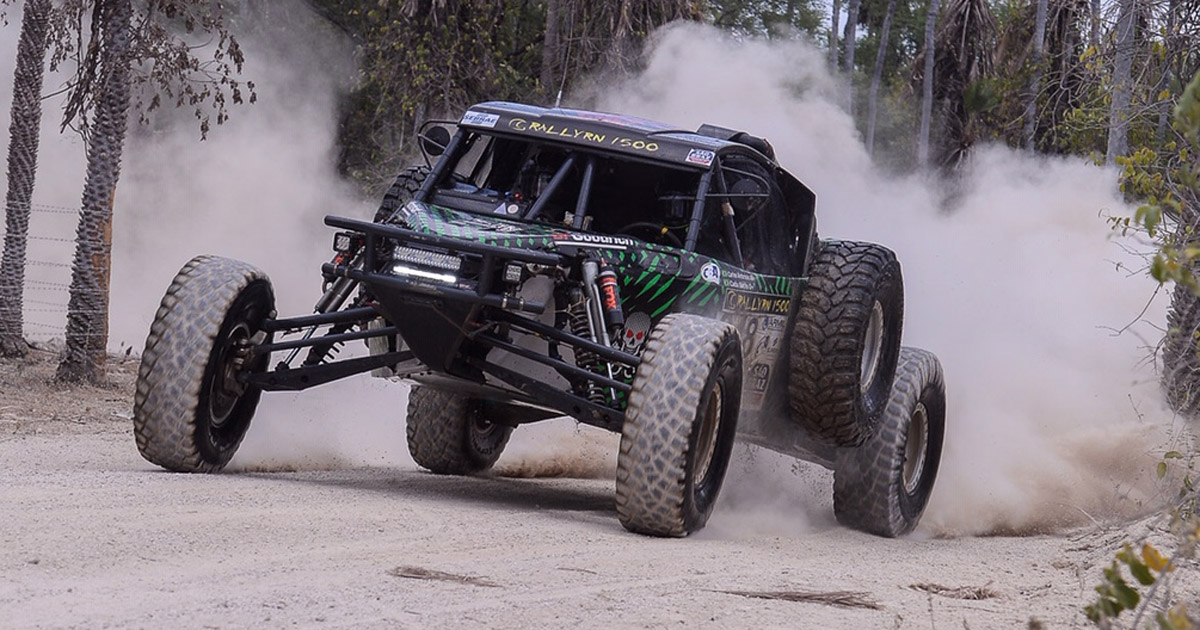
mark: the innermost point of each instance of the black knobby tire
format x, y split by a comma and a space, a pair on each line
882, 486
1181, 353
449, 434
190, 412
407, 183
846, 341
679, 427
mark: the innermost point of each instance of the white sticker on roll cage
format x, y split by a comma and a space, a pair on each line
479, 119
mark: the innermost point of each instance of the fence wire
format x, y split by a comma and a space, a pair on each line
51, 249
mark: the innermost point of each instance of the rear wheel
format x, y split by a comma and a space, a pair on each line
450, 435
882, 486
846, 341
679, 426
192, 406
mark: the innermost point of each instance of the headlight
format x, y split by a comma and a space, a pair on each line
401, 269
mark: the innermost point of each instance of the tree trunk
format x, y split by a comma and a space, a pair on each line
851, 39
873, 95
1035, 81
22, 170
927, 85
1094, 37
87, 308
1170, 50
550, 51
1118, 120
835, 21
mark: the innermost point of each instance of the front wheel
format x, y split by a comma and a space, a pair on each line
882, 486
450, 434
192, 406
679, 427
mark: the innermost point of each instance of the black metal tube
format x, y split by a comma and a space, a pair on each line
585, 193
362, 313
731, 236
435, 174
296, 379
579, 408
456, 244
554, 363
693, 233
312, 341
546, 194
446, 292
603, 351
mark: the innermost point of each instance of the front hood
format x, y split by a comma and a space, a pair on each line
505, 232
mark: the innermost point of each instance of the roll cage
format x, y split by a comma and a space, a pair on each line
742, 208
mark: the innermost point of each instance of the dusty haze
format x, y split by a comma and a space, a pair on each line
1017, 284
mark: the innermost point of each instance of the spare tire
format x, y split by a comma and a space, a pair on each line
846, 341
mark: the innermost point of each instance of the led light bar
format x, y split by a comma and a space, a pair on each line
426, 258
400, 269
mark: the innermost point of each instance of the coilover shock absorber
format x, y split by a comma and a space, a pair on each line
578, 318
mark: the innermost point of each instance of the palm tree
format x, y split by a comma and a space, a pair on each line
87, 308
963, 50
22, 169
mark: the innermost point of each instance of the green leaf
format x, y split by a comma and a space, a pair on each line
1126, 597
1162, 469
1140, 572
1175, 454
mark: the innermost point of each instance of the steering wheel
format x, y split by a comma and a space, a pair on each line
651, 233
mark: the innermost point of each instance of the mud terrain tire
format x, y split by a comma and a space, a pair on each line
846, 341
448, 434
882, 486
189, 412
679, 426
1181, 353
407, 183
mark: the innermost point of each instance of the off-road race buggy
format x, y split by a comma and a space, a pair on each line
666, 285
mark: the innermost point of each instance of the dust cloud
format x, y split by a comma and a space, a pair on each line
1015, 281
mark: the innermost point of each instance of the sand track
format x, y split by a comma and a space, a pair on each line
93, 536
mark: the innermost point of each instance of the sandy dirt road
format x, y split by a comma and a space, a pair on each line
92, 536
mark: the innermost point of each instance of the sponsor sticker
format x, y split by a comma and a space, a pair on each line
711, 273
701, 156
479, 119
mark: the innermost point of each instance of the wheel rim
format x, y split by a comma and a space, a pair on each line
872, 348
915, 448
706, 441
485, 436
225, 389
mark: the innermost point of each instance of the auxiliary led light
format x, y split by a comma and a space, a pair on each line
400, 269
426, 258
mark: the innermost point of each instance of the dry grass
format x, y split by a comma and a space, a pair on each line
33, 403
420, 573
959, 592
842, 599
